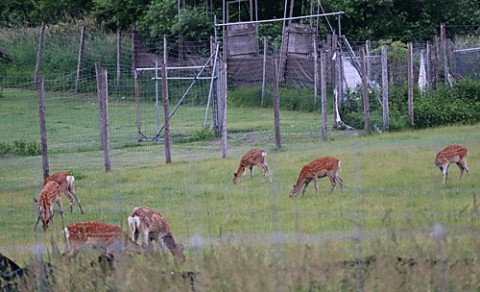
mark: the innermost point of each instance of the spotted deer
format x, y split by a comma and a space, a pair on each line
250, 159
50, 194
452, 154
153, 226
98, 235
67, 183
325, 166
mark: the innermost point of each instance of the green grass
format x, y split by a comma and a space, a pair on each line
392, 198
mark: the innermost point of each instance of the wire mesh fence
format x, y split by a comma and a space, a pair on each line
380, 204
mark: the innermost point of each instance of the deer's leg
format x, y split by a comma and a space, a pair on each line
70, 200
340, 181
36, 223
145, 237
315, 181
251, 170
305, 185
76, 199
333, 183
59, 203
445, 173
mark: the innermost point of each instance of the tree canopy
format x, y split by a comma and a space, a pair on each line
414, 20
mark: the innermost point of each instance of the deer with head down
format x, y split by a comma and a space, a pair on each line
452, 154
98, 235
50, 194
67, 183
325, 166
153, 226
253, 157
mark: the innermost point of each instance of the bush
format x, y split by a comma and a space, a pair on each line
202, 134
20, 148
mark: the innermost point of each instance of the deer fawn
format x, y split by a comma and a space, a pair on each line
153, 226
97, 235
67, 183
326, 166
250, 159
450, 154
51, 193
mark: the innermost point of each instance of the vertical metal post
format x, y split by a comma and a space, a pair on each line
276, 104
80, 55
157, 106
410, 83
323, 89
385, 88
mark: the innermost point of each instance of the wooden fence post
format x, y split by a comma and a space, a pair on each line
323, 89
80, 55
41, 43
102, 93
119, 61
410, 83
366, 101
43, 128
385, 88
443, 38
224, 97
168, 156
276, 104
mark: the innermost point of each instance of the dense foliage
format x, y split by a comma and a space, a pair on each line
442, 106
415, 20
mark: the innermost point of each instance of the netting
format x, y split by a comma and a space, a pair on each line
392, 191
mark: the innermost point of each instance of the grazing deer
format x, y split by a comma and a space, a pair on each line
326, 166
51, 193
97, 235
67, 182
153, 226
250, 159
450, 154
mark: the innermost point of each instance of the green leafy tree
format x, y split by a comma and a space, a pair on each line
119, 14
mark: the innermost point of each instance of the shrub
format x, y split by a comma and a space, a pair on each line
20, 148
201, 134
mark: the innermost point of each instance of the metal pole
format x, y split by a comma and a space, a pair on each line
211, 87
157, 107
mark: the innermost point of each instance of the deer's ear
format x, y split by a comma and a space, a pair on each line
234, 175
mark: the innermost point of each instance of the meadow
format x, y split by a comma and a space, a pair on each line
381, 233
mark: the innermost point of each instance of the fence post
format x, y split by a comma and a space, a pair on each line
119, 61
410, 82
43, 128
366, 101
315, 70
134, 51
323, 89
385, 88
41, 42
443, 39
223, 94
168, 156
276, 104
80, 55
264, 74
102, 93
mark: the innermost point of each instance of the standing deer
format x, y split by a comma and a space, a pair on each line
67, 183
153, 226
250, 159
97, 235
450, 154
51, 193
326, 166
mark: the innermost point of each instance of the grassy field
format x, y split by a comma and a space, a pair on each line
251, 236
